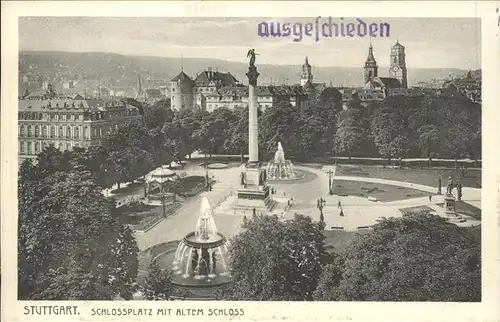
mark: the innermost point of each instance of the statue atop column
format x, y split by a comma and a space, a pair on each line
252, 69
251, 53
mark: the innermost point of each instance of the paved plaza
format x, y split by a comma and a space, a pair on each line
358, 211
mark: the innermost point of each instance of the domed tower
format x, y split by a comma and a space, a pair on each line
371, 68
307, 75
398, 64
182, 92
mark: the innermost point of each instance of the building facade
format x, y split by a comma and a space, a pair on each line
67, 122
398, 64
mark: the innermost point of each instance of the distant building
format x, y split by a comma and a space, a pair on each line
67, 122
182, 92
398, 64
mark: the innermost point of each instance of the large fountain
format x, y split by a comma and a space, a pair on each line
279, 168
201, 258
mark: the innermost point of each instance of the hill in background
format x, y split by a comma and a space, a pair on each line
121, 70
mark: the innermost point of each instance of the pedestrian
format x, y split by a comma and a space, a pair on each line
341, 212
430, 198
254, 212
339, 205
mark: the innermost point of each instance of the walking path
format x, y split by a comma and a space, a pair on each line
358, 211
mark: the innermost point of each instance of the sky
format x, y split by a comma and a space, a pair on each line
429, 42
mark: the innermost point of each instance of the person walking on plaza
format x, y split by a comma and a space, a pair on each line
430, 198
339, 205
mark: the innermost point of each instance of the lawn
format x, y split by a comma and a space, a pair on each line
382, 192
142, 217
416, 210
428, 177
466, 209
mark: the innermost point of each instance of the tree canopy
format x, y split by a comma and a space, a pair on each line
419, 257
276, 260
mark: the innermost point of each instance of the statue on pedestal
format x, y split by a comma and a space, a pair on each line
449, 188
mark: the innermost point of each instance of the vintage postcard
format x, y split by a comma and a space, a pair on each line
218, 161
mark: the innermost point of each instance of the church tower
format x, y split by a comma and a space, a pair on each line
398, 64
371, 68
306, 76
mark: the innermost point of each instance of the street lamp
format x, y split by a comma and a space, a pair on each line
330, 174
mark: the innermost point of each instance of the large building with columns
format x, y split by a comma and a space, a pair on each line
67, 122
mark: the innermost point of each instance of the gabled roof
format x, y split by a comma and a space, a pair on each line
388, 82
207, 76
182, 77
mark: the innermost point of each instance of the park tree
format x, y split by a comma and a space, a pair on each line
389, 129
70, 244
429, 141
157, 286
418, 257
238, 133
276, 260
157, 114
130, 152
353, 136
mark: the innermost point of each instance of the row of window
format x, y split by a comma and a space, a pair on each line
34, 148
59, 132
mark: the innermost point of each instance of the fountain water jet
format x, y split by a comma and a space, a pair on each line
279, 168
197, 255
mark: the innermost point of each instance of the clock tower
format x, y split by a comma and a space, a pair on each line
398, 64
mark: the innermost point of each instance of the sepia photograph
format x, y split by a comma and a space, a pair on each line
249, 159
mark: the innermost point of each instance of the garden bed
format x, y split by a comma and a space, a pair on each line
428, 177
466, 209
382, 192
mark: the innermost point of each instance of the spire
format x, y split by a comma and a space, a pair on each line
98, 85
182, 63
370, 58
307, 62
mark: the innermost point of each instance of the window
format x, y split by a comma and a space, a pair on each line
77, 132
68, 132
23, 147
37, 130
61, 146
44, 131
86, 132
52, 131
56, 117
64, 117
80, 117
29, 131
37, 147
29, 148
60, 132
68, 146
21, 131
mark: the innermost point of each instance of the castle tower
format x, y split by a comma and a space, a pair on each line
182, 92
371, 68
398, 64
306, 76
140, 92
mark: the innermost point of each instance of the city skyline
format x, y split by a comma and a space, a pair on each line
455, 43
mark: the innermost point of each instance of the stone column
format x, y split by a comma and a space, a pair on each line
253, 125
